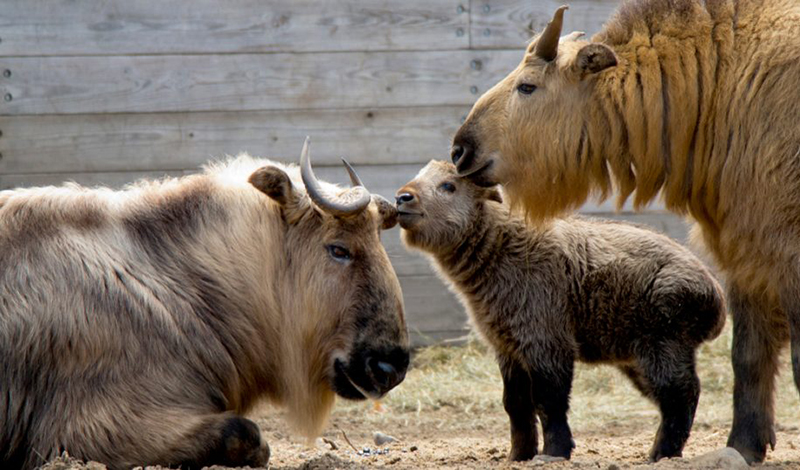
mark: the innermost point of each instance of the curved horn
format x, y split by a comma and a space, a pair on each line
547, 45
314, 189
354, 179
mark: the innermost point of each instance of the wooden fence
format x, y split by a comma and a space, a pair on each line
109, 91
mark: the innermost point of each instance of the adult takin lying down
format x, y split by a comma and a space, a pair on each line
576, 289
138, 326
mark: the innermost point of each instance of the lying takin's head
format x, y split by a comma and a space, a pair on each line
526, 131
438, 207
344, 294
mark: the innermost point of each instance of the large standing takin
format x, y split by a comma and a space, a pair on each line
137, 326
695, 100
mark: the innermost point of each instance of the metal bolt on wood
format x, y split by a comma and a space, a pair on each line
460, 9
476, 64
487, 32
460, 32
473, 89
8, 97
6, 73
487, 8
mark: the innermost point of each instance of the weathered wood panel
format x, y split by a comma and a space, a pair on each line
238, 82
497, 24
170, 141
90, 27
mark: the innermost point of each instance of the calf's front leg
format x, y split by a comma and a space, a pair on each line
551, 389
518, 403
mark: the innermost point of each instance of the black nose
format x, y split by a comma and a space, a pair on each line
456, 153
403, 198
462, 155
387, 372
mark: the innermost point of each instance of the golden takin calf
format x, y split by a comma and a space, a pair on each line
137, 326
576, 289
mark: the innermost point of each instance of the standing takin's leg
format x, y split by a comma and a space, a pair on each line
518, 403
551, 393
790, 303
759, 331
666, 374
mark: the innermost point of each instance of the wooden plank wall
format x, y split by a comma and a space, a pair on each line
109, 91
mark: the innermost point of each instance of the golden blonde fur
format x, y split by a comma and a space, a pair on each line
135, 323
696, 101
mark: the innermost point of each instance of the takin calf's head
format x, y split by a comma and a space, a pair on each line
438, 209
339, 292
526, 132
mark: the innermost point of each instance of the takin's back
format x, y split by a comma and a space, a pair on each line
631, 275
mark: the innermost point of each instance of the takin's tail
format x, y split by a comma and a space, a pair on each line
712, 312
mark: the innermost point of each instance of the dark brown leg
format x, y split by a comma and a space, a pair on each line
758, 336
668, 374
518, 403
231, 441
551, 394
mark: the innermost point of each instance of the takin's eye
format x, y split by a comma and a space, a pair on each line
340, 253
448, 187
526, 89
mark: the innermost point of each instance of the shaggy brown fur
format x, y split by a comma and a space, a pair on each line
578, 289
697, 100
136, 326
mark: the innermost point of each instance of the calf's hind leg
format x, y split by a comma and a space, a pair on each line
668, 374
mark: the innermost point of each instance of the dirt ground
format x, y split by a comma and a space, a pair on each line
448, 414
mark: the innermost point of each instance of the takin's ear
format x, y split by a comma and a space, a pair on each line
275, 183
594, 57
386, 210
493, 194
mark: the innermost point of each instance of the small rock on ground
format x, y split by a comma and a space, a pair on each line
381, 438
727, 458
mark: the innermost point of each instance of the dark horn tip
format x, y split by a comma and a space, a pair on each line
559, 14
354, 179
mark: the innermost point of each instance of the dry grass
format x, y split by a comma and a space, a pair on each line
466, 380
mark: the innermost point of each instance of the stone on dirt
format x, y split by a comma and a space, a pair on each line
381, 438
727, 458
